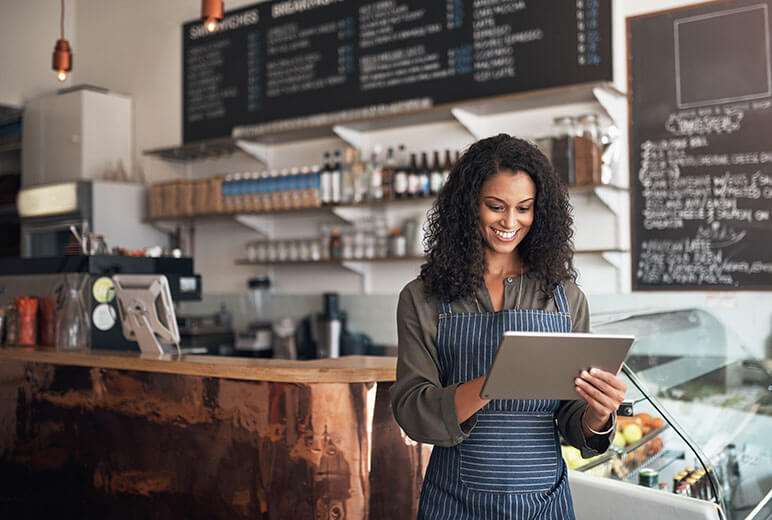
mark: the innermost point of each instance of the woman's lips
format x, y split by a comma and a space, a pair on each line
504, 236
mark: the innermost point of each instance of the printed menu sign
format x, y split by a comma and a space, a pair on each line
325, 61
700, 148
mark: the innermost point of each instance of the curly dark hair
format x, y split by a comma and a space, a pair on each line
454, 243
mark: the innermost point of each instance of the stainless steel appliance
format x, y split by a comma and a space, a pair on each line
257, 340
329, 326
112, 209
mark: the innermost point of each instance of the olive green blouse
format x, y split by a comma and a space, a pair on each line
424, 408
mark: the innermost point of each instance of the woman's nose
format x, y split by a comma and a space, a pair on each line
510, 219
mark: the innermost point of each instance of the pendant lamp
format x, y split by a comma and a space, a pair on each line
62, 57
211, 13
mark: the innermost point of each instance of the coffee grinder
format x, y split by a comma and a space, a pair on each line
257, 341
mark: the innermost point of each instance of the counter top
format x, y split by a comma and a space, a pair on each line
348, 369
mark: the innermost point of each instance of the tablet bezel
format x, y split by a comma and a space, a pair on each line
524, 366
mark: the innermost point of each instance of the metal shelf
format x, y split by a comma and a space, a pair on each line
209, 149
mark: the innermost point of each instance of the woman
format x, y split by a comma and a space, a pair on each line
499, 258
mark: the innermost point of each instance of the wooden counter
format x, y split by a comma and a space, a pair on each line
92, 434
349, 369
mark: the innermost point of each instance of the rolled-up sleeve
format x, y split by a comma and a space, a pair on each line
424, 408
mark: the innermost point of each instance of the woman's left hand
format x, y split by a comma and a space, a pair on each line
604, 392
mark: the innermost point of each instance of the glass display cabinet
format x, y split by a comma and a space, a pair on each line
701, 423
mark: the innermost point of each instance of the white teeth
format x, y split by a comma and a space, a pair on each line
503, 235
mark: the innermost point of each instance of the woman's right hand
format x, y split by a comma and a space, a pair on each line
467, 399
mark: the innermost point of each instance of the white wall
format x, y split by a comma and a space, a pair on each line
134, 47
28, 32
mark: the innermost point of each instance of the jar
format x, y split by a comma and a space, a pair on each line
587, 150
46, 321
72, 321
27, 309
348, 244
261, 251
272, 252
282, 250
336, 245
563, 133
293, 250
252, 252
304, 250
397, 244
11, 324
316, 250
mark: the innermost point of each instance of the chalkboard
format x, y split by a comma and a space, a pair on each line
700, 92
348, 59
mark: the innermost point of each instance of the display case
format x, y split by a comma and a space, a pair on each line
702, 404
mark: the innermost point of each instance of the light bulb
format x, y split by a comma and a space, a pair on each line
211, 24
61, 75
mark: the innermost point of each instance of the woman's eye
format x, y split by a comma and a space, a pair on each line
496, 208
524, 209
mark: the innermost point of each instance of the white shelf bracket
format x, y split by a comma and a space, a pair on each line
612, 198
363, 270
473, 123
614, 103
353, 137
621, 263
263, 224
259, 151
351, 214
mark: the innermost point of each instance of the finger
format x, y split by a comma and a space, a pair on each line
603, 386
603, 399
609, 378
592, 404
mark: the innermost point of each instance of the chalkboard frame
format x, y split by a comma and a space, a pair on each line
634, 243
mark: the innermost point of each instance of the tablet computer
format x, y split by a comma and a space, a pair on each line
543, 365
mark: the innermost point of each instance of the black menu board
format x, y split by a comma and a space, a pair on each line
700, 147
348, 59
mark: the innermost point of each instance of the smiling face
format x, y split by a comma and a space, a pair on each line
506, 211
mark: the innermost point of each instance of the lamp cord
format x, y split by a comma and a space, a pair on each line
61, 22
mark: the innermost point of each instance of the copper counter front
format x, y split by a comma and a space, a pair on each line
94, 442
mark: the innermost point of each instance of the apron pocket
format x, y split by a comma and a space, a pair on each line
510, 452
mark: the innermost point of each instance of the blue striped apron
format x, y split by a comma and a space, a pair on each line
510, 465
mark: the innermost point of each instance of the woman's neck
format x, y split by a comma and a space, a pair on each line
502, 266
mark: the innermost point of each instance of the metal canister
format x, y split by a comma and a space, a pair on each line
648, 477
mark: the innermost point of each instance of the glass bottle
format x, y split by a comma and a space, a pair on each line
387, 175
375, 169
446, 168
413, 177
423, 176
435, 177
326, 180
401, 188
11, 324
72, 324
336, 177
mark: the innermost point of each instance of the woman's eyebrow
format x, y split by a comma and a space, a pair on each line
504, 202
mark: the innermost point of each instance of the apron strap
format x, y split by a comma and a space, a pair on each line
443, 307
560, 299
